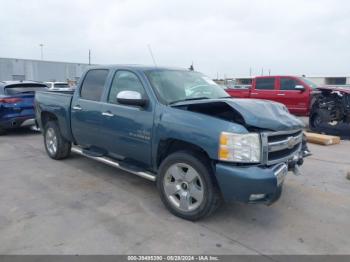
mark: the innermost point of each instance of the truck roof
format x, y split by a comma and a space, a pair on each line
136, 67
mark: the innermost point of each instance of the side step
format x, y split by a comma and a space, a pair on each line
114, 163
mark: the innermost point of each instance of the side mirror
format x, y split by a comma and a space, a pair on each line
300, 88
131, 98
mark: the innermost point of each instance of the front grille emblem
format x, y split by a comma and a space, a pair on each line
291, 142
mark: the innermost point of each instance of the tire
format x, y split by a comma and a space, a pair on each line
315, 120
187, 187
56, 146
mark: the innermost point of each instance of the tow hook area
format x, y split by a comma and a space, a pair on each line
295, 163
296, 170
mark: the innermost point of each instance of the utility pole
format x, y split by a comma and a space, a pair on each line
42, 51
89, 56
250, 71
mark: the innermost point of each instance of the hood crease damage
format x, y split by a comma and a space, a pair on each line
251, 113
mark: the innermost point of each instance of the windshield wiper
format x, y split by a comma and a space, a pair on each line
188, 99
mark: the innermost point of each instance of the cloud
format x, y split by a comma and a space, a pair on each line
228, 37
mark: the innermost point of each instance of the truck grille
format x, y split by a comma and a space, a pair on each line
280, 146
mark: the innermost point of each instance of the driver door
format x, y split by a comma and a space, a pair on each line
296, 100
127, 129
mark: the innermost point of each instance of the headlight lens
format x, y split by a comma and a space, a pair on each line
242, 148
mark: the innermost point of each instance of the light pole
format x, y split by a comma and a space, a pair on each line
89, 57
42, 51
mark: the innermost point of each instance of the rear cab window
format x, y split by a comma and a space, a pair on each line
93, 85
265, 83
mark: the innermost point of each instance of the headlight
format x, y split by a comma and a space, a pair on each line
242, 148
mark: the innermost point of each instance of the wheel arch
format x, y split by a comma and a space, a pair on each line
46, 117
63, 123
171, 145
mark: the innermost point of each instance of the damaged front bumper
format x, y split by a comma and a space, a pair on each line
282, 151
255, 184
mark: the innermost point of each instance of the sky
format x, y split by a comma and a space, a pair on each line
221, 38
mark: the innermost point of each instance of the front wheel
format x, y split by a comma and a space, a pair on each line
57, 147
187, 186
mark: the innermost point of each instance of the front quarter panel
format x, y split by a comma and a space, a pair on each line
195, 128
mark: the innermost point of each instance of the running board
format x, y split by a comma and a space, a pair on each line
113, 163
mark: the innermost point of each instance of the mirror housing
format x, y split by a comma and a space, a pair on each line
300, 88
132, 98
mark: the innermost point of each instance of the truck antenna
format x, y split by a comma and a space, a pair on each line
151, 53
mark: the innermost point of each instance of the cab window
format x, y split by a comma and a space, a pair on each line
288, 83
124, 81
267, 83
93, 84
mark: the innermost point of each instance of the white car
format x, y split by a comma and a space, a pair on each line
58, 86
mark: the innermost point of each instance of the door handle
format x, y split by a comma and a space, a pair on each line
109, 114
77, 107
281, 94
254, 93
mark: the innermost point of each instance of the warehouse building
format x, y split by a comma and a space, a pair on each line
38, 70
330, 80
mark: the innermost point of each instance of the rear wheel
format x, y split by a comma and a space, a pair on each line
57, 147
187, 187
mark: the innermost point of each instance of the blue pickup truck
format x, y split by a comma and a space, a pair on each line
178, 128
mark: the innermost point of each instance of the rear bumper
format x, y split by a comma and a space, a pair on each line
15, 122
251, 184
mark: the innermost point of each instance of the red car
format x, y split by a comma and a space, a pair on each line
294, 92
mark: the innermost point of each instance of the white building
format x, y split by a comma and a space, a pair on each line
39, 70
330, 80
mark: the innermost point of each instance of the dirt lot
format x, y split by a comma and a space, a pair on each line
79, 206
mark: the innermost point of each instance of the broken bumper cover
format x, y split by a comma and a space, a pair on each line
253, 184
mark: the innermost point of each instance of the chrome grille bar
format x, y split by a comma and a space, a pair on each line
289, 140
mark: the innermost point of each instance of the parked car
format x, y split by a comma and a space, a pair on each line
292, 91
17, 104
330, 111
58, 86
178, 128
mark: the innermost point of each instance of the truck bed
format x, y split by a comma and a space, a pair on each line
57, 103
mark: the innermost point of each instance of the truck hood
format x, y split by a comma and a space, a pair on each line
256, 113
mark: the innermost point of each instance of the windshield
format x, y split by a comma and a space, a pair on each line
178, 85
309, 82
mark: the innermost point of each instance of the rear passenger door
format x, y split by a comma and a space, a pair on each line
265, 88
86, 114
127, 129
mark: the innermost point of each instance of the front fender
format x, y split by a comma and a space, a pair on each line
194, 128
